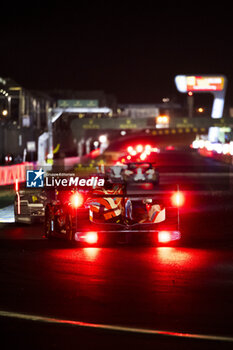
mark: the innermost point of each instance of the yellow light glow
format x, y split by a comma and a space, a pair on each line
5, 112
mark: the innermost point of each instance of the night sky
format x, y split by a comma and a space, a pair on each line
132, 51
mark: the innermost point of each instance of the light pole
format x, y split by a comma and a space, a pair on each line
9, 105
190, 101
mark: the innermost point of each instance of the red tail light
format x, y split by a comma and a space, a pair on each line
130, 149
76, 200
139, 148
91, 237
164, 237
143, 156
148, 149
178, 199
170, 148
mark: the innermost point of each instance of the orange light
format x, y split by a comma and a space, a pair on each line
76, 200
162, 119
178, 199
190, 93
91, 237
164, 237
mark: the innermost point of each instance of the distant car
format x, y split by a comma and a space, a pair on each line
114, 173
140, 172
29, 206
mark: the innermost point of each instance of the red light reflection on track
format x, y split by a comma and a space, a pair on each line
121, 285
181, 258
151, 258
76, 254
170, 255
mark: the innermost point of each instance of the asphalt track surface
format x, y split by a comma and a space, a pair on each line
54, 296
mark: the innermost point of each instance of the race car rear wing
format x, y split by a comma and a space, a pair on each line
171, 199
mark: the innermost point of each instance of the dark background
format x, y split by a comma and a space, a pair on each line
131, 50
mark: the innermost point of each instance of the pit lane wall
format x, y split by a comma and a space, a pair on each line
9, 173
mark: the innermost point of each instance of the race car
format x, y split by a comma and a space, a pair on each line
111, 215
140, 172
29, 206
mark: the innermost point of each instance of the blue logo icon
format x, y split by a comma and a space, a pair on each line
35, 178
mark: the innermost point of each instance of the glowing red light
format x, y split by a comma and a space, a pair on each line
76, 200
16, 185
163, 119
95, 153
178, 199
143, 156
139, 148
91, 237
130, 149
164, 237
148, 149
170, 148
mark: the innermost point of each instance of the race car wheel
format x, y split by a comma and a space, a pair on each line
47, 223
69, 228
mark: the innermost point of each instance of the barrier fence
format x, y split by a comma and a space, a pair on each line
9, 173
